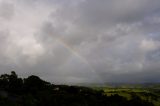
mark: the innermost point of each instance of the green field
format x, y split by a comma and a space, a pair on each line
150, 93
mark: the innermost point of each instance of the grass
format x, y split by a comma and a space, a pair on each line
151, 94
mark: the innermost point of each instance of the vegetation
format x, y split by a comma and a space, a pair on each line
33, 91
147, 92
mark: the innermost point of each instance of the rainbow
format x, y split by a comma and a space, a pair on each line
75, 53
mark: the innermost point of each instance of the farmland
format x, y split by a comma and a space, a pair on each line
148, 92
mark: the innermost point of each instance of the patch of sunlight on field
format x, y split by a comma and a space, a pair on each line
126, 95
143, 93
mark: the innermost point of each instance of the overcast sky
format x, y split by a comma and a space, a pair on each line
81, 41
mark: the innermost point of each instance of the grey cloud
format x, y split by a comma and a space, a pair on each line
104, 42
6, 10
101, 13
82, 41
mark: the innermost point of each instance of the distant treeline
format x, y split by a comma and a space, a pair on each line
33, 91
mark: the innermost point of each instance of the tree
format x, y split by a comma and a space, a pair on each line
34, 83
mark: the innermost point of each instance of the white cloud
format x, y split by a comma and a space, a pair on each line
148, 45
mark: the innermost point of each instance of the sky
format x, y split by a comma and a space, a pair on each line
81, 41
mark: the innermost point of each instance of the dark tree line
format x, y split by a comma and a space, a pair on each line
33, 91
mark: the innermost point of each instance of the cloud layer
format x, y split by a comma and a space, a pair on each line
81, 41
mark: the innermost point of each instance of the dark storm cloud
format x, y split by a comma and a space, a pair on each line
81, 40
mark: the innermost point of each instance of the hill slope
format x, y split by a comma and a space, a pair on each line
33, 91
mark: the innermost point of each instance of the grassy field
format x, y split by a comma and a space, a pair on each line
150, 93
